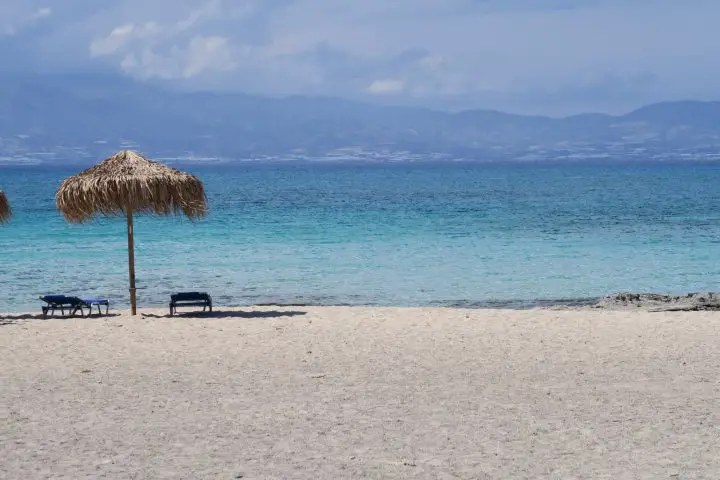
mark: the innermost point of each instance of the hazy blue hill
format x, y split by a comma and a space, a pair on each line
684, 113
85, 116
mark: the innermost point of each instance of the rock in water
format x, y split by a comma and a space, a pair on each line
659, 302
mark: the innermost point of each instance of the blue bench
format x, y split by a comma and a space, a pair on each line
190, 299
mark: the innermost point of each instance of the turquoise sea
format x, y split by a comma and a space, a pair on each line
413, 234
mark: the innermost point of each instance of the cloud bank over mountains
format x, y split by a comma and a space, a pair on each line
529, 56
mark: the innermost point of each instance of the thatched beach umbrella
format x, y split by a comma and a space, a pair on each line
125, 184
5, 211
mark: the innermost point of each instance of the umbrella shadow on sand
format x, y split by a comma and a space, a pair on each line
229, 314
12, 319
6, 320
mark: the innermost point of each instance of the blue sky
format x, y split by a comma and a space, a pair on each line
529, 56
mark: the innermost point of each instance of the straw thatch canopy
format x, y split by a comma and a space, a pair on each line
5, 211
125, 184
129, 182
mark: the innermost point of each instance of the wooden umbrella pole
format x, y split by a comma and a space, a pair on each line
131, 261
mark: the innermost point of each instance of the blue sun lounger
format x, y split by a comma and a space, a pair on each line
97, 302
72, 304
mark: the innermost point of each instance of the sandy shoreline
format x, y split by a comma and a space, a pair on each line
336, 392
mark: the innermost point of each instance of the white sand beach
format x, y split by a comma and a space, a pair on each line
335, 392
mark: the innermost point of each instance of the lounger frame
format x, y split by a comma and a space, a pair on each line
72, 305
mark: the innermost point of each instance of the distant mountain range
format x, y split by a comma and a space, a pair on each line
45, 119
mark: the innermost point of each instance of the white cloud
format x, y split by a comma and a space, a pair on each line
386, 86
17, 18
207, 53
169, 49
200, 55
122, 36
432, 62
41, 13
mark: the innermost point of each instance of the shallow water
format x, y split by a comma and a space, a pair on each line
453, 234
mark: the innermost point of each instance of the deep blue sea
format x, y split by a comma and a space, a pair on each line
414, 234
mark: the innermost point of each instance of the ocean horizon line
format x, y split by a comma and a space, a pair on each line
214, 163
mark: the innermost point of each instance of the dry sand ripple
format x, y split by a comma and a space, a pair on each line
362, 393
